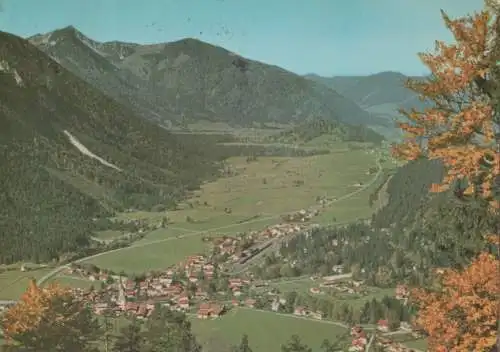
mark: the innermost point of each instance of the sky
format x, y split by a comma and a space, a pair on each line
326, 37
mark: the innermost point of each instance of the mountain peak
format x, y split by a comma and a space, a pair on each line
390, 74
68, 30
193, 44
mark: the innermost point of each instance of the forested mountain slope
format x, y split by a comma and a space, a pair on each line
50, 190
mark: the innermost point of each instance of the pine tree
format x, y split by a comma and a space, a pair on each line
170, 331
295, 345
244, 345
130, 339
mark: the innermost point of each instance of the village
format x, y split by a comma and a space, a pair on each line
203, 285
190, 288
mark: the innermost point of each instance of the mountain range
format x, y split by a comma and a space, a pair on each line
190, 80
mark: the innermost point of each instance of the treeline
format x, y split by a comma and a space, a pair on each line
307, 131
408, 189
254, 150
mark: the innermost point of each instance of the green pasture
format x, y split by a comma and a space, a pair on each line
266, 331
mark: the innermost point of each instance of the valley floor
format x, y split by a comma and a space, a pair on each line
253, 197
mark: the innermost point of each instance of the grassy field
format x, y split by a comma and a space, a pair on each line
14, 283
266, 331
74, 282
150, 257
409, 341
269, 186
357, 301
260, 192
351, 209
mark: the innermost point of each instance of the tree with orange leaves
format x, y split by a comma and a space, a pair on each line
462, 315
461, 129
461, 126
50, 319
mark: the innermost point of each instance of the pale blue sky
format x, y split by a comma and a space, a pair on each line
327, 37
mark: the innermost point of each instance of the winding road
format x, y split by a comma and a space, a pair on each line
57, 270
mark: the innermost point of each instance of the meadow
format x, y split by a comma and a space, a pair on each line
411, 342
256, 196
266, 331
13, 283
73, 282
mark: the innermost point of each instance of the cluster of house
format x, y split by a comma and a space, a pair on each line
248, 244
304, 312
179, 288
383, 326
349, 286
360, 339
301, 215
81, 271
225, 244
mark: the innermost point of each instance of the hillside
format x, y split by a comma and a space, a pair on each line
70, 153
307, 131
445, 229
80, 56
198, 81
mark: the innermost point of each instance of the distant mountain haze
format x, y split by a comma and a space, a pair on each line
369, 91
192, 80
381, 94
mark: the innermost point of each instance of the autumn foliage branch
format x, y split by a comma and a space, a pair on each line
461, 129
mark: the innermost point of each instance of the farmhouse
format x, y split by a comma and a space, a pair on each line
317, 315
210, 310
250, 303
383, 325
359, 340
300, 311
405, 326
315, 290
402, 292
183, 302
358, 344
